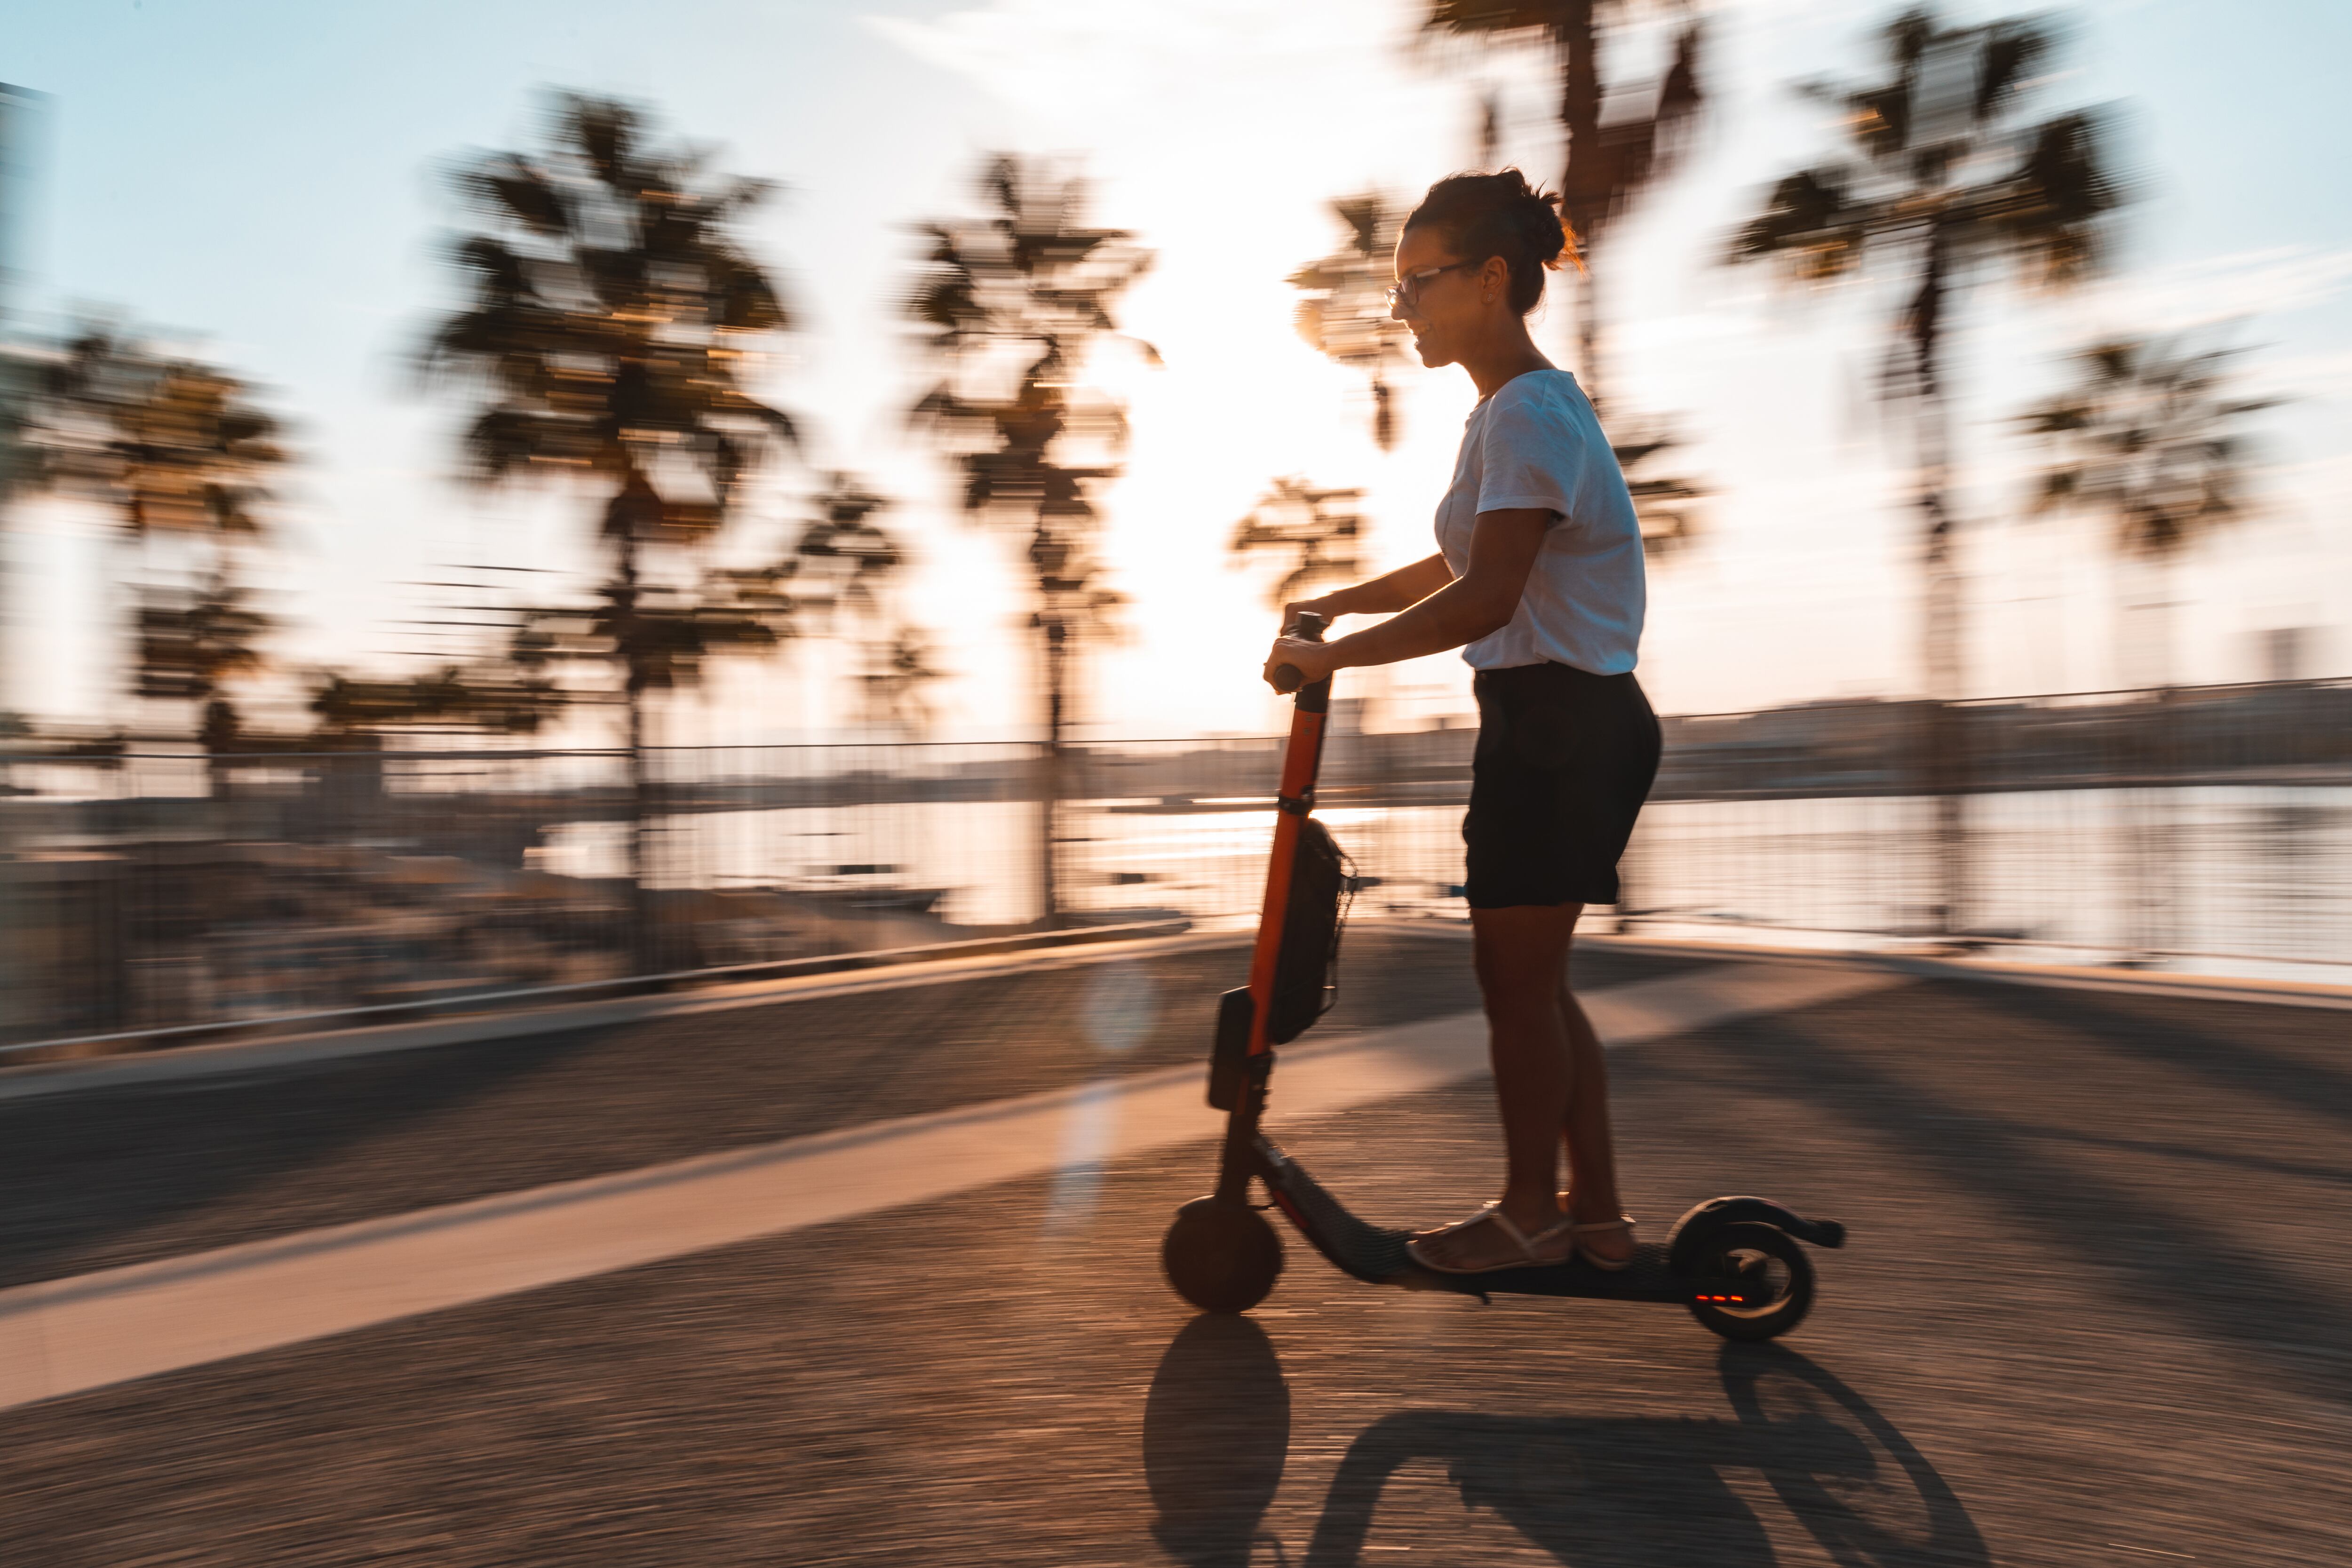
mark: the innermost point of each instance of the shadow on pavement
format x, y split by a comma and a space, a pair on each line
84, 1169
2234, 1063
2213, 1281
1614, 1492
107, 1176
2297, 1169
1216, 1430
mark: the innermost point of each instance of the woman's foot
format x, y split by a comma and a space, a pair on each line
1605, 1244
1608, 1243
1491, 1239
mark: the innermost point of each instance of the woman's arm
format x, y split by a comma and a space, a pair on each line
1381, 595
1503, 546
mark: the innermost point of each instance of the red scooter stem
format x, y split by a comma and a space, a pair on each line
1302, 757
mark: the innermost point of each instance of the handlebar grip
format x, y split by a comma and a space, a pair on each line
1307, 626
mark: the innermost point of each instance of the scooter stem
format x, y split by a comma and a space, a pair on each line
1302, 759
1302, 756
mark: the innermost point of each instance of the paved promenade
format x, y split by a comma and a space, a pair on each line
871, 1278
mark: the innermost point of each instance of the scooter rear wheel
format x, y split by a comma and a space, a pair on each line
1754, 1254
1221, 1256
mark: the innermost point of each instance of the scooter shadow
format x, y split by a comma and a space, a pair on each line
1601, 1492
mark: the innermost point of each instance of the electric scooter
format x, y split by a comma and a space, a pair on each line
1734, 1262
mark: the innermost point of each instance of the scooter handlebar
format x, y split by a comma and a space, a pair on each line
1307, 626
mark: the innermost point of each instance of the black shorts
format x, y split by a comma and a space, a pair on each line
1565, 759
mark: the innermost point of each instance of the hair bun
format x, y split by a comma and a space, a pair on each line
1499, 214
1540, 216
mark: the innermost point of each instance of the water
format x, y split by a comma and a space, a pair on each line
2256, 875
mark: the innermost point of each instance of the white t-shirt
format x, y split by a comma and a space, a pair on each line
1537, 443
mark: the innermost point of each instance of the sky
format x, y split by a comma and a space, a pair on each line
267, 183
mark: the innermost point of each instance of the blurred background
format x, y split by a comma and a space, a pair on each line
503, 501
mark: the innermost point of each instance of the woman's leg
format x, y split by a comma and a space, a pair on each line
1592, 1154
1522, 960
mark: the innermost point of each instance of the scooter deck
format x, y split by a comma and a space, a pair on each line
1377, 1256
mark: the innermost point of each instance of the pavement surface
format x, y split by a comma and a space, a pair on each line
2091, 1312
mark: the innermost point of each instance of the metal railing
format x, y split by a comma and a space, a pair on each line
156, 890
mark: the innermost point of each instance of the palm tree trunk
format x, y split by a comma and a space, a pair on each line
2143, 661
1946, 753
644, 940
2143, 622
1055, 638
1588, 334
216, 733
1940, 651
1584, 182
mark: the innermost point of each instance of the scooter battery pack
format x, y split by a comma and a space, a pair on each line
1304, 968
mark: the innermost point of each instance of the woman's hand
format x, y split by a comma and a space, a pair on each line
1313, 660
1329, 607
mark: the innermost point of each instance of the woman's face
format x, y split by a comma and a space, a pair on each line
1446, 309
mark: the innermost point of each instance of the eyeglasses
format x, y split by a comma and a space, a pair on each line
1407, 290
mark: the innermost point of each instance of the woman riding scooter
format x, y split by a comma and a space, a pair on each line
1537, 579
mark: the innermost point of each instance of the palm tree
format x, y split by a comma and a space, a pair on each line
1667, 504
1315, 533
1013, 304
1945, 169
178, 449
836, 577
897, 668
840, 566
1345, 314
192, 645
843, 559
2148, 439
1608, 166
611, 310
1607, 169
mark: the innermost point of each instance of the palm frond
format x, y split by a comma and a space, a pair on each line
1489, 19
2058, 196
2007, 53
1315, 534
520, 191
1807, 223
2146, 439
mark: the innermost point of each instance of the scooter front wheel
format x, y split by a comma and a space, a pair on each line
1763, 1259
1221, 1256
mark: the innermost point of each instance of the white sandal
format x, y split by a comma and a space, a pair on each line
1527, 1259
1623, 1222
